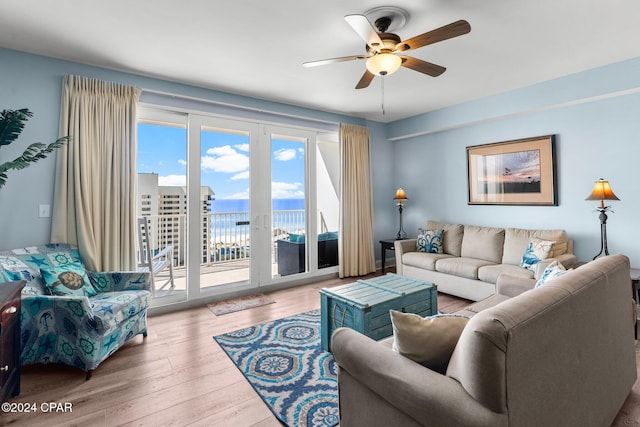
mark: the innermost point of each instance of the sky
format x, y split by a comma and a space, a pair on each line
224, 161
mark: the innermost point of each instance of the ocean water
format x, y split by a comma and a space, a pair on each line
242, 205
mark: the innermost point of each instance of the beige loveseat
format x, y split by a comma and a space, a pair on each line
562, 354
475, 256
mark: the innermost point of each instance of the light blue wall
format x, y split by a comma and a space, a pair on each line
595, 137
595, 117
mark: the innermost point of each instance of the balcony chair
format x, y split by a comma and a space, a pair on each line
73, 316
154, 261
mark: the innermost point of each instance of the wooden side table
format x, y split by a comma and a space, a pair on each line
385, 245
10, 303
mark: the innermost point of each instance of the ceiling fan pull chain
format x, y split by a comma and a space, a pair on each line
382, 95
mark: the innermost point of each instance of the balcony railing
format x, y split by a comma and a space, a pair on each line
225, 236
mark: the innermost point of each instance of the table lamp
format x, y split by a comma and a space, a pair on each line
400, 198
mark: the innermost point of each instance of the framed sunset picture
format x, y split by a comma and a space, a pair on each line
519, 172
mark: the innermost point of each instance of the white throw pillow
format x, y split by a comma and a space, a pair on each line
427, 340
553, 270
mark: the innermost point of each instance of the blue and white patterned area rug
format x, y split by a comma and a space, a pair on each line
284, 362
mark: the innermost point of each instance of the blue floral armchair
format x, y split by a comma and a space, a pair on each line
81, 329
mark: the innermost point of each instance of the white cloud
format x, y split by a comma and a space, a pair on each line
225, 159
287, 190
241, 195
241, 175
242, 147
182, 162
285, 154
173, 180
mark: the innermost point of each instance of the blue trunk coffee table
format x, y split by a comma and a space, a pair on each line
364, 305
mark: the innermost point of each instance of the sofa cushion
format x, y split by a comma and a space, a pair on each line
517, 239
462, 267
429, 241
427, 340
452, 237
537, 250
477, 307
490, 273
483, 243
423, 260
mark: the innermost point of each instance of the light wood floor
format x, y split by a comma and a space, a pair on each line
179, 375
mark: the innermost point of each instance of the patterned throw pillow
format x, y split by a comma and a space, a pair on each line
70, 279
555, 269
429, 241
537, 250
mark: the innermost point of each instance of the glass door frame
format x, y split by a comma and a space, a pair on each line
262, 196
194, 209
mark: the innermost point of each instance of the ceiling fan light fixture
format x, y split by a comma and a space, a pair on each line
383, 64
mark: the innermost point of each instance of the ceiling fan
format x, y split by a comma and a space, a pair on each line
383, 47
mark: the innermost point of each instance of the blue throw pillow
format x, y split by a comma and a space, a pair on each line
553, 270
429, 241
537, 250
69, 279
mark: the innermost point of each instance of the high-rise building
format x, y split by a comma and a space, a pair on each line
167, 207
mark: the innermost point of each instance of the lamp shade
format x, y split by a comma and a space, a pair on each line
383, 64
400, 194
602, 191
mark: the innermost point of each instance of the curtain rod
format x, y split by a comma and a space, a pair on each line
237, 107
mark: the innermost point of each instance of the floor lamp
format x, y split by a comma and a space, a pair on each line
400, 198
602, 191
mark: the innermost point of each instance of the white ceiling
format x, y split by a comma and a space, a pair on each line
257, 47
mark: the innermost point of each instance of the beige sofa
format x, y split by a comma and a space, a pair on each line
562, 354
475, 256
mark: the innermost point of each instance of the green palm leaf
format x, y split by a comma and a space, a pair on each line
11, 125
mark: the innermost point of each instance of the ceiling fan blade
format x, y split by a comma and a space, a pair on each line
366, 79
421, 66
333, 60
363, 27
449, 31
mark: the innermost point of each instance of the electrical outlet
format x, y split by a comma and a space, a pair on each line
44, 211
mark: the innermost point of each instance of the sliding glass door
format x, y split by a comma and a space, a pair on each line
219, 187
244, 204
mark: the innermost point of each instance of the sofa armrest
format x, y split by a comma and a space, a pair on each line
422, 394
402, 247
511, 285
114, 281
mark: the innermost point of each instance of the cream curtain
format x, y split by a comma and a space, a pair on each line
94, 205
356, 203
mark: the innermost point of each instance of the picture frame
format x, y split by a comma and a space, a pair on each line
518, 172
